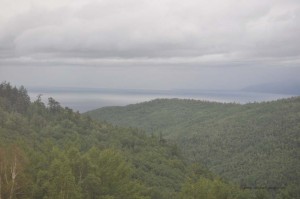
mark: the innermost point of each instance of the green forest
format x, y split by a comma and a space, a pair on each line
159, 150
254, 145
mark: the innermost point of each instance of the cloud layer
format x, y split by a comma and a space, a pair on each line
154, 44
143, 31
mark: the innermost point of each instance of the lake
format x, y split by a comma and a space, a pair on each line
81, 99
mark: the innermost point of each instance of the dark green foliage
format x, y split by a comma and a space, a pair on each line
13, 99
71, 156
49, 152
254, 144
206, 188
290, 192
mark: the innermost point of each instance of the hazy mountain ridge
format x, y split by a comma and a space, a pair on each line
256, 143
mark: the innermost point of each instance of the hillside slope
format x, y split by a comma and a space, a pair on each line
256, 144
50, 151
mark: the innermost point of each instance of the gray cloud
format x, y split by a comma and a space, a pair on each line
226, 44
155, 77
152, 29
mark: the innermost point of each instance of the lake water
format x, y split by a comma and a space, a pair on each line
87, 99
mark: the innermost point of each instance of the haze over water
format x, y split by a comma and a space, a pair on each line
83, 100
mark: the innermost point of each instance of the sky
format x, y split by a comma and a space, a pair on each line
149, 44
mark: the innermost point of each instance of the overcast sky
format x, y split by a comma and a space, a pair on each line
155, 44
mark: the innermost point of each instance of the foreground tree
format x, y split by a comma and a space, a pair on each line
205, 188
13, 180
110, 176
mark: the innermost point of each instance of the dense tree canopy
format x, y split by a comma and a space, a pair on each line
50, 151
254, 144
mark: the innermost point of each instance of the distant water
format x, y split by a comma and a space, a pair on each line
88, 99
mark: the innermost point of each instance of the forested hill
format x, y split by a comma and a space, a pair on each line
51, 152
256, 144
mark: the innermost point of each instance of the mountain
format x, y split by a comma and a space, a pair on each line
256, 144
50, 151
